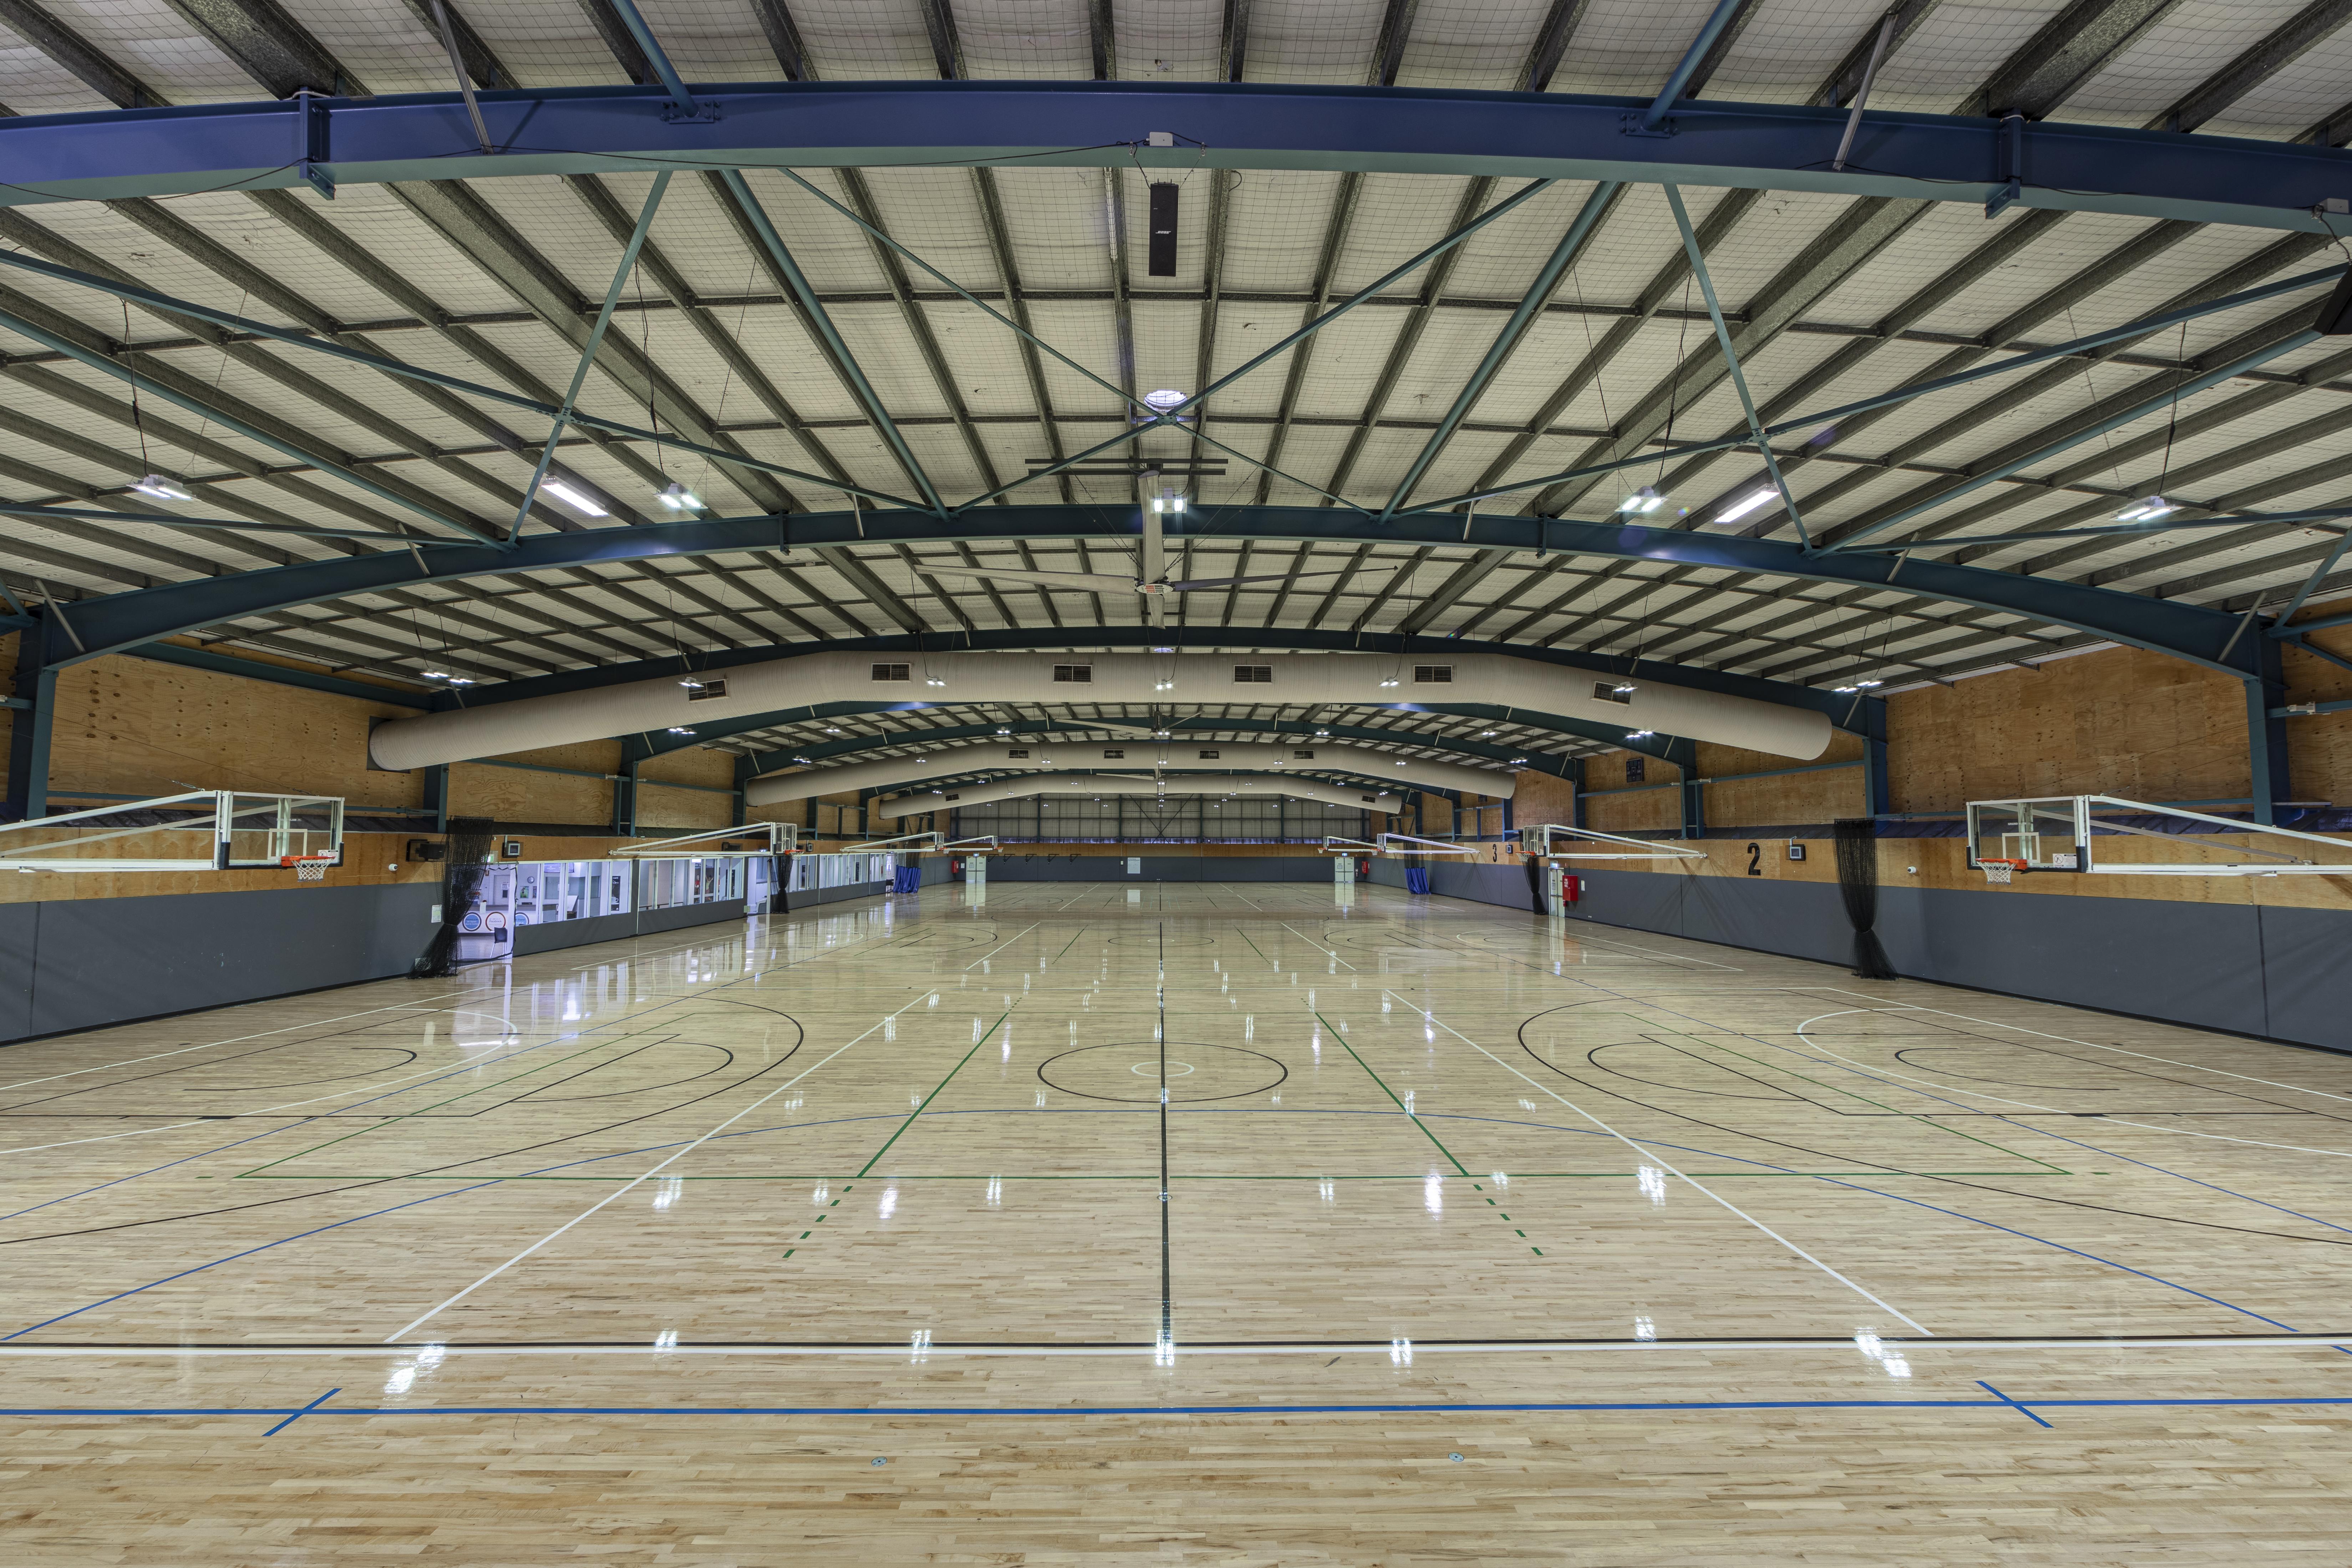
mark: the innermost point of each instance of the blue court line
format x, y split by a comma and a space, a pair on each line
233, 1256
1997, 1393
302, 1413
1872, 1075
2061, 1247
893, 1411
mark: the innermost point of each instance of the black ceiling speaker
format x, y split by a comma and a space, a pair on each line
1162, 253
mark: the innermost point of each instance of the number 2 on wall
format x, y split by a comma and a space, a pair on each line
1755, 857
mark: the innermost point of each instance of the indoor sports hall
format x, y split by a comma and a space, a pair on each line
1245, 783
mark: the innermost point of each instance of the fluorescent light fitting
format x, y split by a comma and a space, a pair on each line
461, 680
436, 675
1646, 499
573, 499
678, 498
161, 489
1639, 734
2146, 510
679, 729
1866, 685
1388, 683
1747, 504
1516, 761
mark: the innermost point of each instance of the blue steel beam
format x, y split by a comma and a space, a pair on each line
1376, 287
2144, 408
118, 621
1531, 304
1303, 729
293, 338
1731, 359
767, 764
628, 264
115, 153
1803, 422
303, 339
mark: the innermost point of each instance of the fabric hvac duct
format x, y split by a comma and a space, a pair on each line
1255, 786
949, 762
651, 707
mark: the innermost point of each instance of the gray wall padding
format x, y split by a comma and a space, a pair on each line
82, 963
19, 927
106, 960
1013, 867
557, 934
2285, 973
809, 898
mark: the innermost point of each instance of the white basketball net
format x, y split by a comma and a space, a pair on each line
1996, 871
316, 871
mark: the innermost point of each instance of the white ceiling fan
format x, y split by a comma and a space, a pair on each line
1152, 585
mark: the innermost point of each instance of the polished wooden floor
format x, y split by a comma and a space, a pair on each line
1232, 1224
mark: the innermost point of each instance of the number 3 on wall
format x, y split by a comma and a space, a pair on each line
1755, 857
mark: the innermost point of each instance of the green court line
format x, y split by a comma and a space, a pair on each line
1416, 1121
934, 1094
1068, 945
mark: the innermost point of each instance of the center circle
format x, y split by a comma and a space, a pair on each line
1210, 1072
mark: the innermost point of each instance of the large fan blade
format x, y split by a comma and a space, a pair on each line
1201, 583
1097, 582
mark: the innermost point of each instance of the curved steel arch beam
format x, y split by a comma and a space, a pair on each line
769, 762
120, 622
1002, 754
116, 154
920, 802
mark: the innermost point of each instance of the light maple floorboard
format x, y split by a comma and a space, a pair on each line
1221, 1224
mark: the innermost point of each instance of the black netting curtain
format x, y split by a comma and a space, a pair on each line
461, 877
1857, 861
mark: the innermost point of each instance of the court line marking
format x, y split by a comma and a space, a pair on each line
249, 1252
208, 1045
2069, 1039
898, 1351
2030, 1105
630, 1186
1034, 1411
1000, 947
1330, 953
1661, 1159
653, 1004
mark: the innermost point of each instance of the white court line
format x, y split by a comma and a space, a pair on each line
2069, 1039
1662, 957
2004, 1100
1000, 946
1243, 897
624, 1190
1843, 1347
208, 1045
451, 1067
1330, 953
1661, 1159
